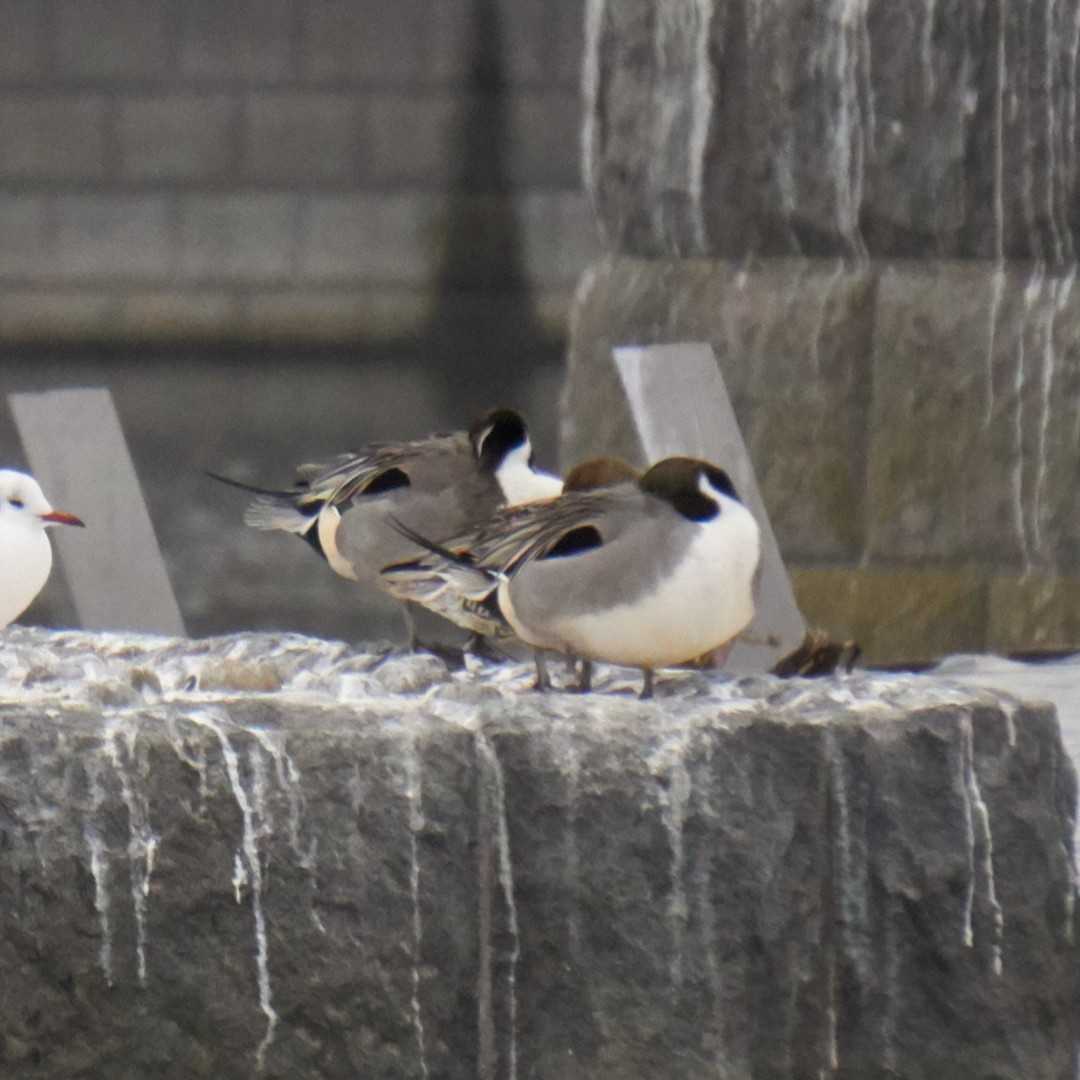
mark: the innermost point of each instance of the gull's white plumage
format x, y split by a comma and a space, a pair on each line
25, 552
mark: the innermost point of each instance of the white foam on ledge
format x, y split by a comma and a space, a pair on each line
121, 672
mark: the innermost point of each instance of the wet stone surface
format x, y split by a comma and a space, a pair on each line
278, 856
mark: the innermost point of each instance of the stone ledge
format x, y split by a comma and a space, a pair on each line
277, 853
919, 614
872, 453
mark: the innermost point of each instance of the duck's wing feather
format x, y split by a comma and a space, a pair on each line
375, 470
458, 577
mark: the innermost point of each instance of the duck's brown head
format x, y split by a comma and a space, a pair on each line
690, 485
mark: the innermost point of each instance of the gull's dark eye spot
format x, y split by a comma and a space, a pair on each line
17, 503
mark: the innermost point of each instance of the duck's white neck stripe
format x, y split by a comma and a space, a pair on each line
520, 482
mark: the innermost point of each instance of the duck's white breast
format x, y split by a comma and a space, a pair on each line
700, 605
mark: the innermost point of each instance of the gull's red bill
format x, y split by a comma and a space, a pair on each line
59, 517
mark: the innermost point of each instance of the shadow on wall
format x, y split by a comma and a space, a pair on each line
256, 411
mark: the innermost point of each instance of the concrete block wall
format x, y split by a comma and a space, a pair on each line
187, 169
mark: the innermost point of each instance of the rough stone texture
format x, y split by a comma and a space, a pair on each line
889, 127
791, 338
911, 421
322, 863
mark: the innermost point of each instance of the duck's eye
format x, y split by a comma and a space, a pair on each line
17, 503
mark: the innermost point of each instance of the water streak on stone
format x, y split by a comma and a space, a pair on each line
505, 875
194, 757
1050, 83
120, 736
681, 40
997, 289
571, 769
1070, 891
702, 96
99, 870
1045, 331
240, 879
1060, 292
892, 981
852, 119
701, 878
999, 138
674, 790
926, 51
289, 780
1010, 723
831, 281
415, 791
590, 91
845, 886
1031, 295
977, 823
252, 813
830, 1013
1071, 89
1026, 164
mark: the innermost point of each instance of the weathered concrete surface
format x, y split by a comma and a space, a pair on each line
894, 127
912, 423
275, 852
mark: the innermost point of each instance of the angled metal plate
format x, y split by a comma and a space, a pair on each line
680, 405
76, 450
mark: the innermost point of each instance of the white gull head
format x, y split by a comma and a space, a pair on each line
25, 552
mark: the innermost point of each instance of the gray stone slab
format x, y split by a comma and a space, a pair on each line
178, 137
112, 39
409, 43
24, 248
973, 451
52, 137
238, 41
371, 236
22, 45
792, 337
304, 138
114, 236
680, 405
249, 236
412, 136
75, 447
